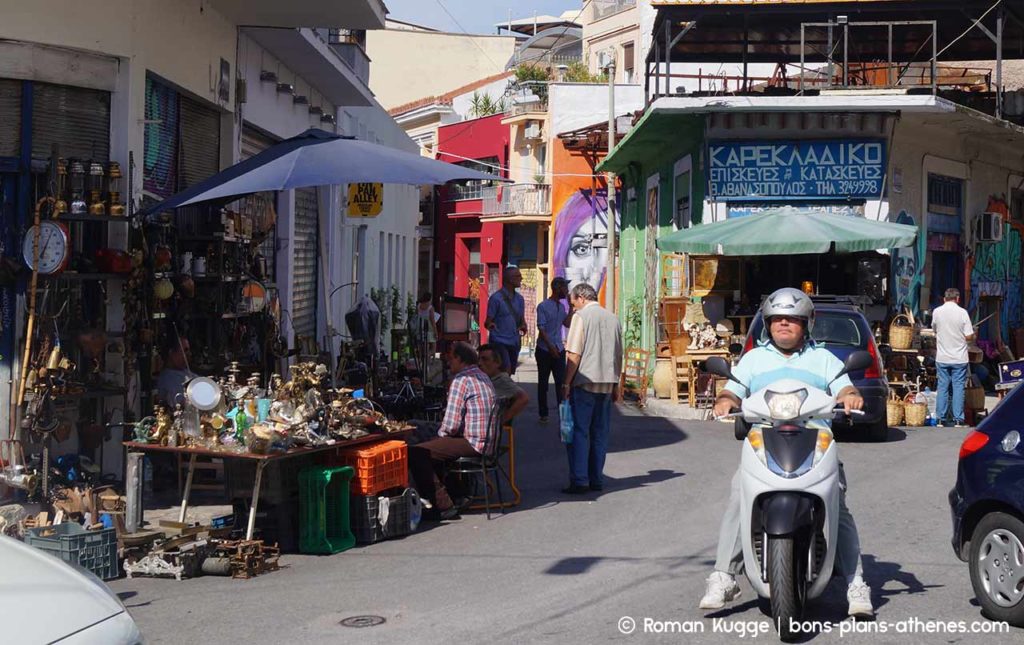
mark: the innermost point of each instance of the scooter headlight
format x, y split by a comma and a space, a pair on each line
784, 406
756, 440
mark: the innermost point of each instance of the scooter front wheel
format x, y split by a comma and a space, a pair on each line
783, 581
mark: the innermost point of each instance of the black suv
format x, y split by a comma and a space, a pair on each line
843, 329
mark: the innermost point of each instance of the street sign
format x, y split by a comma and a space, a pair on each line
365, 200
796, 169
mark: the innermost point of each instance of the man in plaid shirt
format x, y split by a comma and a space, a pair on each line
462, 433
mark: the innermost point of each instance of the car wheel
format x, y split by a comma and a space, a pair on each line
997, 567
878, 431
741, 428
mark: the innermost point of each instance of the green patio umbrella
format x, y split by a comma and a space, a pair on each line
788, 231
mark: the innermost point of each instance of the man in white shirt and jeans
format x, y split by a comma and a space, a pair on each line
953, 330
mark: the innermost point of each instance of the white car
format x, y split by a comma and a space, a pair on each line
57, 603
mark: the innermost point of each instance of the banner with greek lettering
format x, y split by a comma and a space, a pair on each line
796, 169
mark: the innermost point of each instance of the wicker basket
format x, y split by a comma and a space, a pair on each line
894, 411
974, 398
901, 336
914, 413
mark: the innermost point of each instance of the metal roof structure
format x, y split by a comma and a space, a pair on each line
729, 31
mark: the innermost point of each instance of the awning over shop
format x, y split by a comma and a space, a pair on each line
788, 231
319, 158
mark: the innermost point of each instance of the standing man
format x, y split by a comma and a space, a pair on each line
170, 384
953, 330
593, 352
551, 319
505, 316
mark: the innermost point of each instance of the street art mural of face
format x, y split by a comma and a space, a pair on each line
908, 270
582, 220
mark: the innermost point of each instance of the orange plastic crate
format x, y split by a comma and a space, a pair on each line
378, 467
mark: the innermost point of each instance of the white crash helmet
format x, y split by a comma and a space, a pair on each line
787, 302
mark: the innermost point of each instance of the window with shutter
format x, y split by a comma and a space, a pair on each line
199, 151
304, 283
10, 118
74, 118
160, 142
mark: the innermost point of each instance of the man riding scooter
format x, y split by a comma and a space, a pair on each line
786, 351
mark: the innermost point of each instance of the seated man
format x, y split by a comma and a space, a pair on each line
493, 365
462, 433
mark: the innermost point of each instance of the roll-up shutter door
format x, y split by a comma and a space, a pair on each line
199, 152
160, 164
10, 118
304, 283
74, 118
253, 143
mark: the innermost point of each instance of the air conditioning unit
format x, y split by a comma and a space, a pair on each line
604, 58
990, 227
532, 130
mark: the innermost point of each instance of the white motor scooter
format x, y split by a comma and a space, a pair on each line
789, 491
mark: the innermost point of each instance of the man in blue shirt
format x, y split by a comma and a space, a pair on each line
786, 351
550, 354
505, 316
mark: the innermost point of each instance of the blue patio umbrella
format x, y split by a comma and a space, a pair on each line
319, 158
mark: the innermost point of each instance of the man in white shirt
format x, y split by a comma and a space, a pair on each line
953, 331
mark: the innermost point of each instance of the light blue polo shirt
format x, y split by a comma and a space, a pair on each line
506, 319
765, 364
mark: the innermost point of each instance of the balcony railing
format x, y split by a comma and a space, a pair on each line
517, 199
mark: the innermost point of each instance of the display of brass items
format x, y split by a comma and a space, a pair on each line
78, 205
114, 177
95, 181
60, 206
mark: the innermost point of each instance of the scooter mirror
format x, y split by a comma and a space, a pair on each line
856, 361
719, 367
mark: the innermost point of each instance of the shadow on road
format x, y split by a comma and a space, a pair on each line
877, 573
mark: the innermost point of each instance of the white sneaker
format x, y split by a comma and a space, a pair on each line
722, 588
858, 595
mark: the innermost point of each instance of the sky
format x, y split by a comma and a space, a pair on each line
474, 16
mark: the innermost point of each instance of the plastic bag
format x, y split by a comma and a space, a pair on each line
565, 416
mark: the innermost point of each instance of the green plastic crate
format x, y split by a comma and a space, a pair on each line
324, 525
95, 551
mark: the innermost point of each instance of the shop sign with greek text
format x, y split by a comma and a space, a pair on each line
796, 169
365, 200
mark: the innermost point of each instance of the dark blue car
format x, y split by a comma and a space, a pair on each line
988, 510
843, 329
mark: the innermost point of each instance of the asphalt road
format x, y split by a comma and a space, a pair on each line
561, 569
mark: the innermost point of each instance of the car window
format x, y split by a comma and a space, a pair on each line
836, 330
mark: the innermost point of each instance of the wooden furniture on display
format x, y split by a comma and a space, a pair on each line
261, 463
634, 376
681, 369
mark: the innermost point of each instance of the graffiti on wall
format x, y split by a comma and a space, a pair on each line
908, 270
995, 270
581, 226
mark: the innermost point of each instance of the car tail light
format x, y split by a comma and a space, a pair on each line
974, 442
749, 344
875, 371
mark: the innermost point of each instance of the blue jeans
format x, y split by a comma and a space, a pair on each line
955, 374
591, 424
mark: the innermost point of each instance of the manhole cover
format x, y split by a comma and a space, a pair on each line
362, 621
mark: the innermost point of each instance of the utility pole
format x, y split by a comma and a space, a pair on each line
610, 298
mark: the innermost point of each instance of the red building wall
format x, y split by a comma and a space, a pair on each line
458, 227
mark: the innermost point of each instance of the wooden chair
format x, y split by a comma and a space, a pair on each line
681, 372
634, 377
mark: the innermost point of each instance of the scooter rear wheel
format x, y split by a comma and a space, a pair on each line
783, 579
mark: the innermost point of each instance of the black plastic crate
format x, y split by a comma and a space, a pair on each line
366, 524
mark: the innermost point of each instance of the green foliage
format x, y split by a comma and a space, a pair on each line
484, 105
527, 72
634, 321
382, 299
397, 315
578, 73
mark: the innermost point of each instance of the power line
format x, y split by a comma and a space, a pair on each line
472, 39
